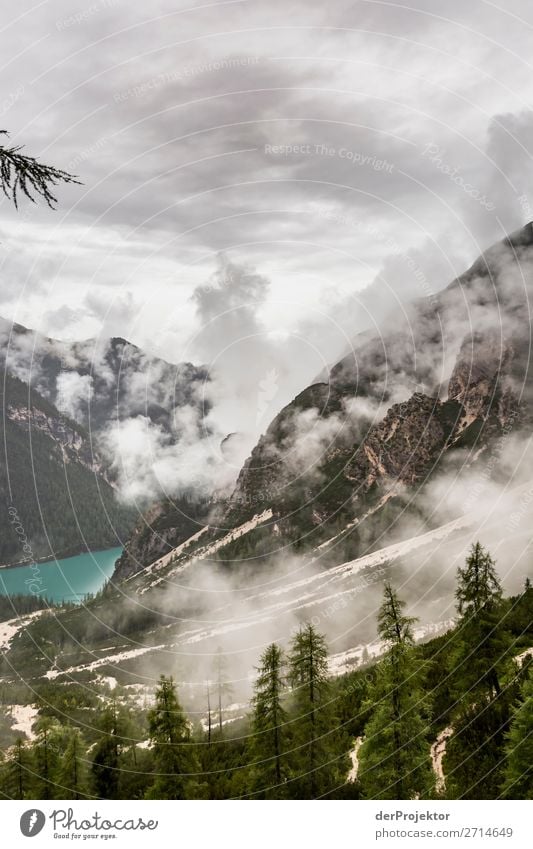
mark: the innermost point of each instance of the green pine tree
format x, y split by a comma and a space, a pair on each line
311, 750
269, 770
518, 782
480, 664
105, 767
482, 643
478, 584
176, 765
394, 759
46, 752
17, 772
72, 771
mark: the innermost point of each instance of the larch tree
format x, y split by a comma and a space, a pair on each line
479, 667
269, 772
518, 782
72, 772
175, 763
482, 643
17, 772
394, 759
46, 755
106, 767
310, 754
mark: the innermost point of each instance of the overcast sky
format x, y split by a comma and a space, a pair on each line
329, 147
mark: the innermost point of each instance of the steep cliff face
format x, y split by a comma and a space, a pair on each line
98, 383
53, 481
72, 441
160, 529
448, 374
63, 405
407, 444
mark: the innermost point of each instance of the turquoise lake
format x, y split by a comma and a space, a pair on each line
69, 579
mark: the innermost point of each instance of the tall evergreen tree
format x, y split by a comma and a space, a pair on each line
105, 766
46, 755
17, 772
479, 661
310, 745
482, 642
176, 764
518, 783
72, 772
478, 584
269, 770
395, 755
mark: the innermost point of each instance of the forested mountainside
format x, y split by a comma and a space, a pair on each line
438, 388
53, 482
381, 478
61, 401
99, 381
412, 717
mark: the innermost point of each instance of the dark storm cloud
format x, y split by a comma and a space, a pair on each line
299, 138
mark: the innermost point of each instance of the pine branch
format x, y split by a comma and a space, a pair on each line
20, 173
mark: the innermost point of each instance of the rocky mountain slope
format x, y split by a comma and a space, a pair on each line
390, 469
442, 383
54, 482
99, 381
61, 402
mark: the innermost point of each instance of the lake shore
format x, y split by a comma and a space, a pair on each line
66, 579
63, 555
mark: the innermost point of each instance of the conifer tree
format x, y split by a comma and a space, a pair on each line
310, 744
72, 772
46, 754
395, 755
518, 782
478, 585
478, 662
482, 643
105, 766
17, 772
523, 608
269, 772
176, 765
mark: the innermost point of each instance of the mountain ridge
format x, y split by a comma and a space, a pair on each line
452, 378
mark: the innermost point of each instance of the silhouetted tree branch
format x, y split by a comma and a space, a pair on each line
20, 173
